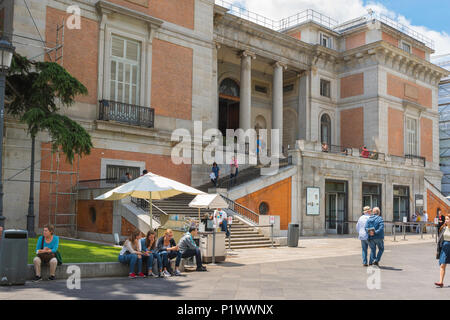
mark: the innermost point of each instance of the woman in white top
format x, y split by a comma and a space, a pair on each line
444, 248
131, 254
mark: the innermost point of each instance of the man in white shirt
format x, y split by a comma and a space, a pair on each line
220, 219
362, 234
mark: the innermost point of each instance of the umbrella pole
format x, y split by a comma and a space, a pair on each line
151, 212
199, 217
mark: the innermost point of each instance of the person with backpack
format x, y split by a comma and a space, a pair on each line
46, 252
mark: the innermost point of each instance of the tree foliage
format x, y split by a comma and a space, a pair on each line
35, 93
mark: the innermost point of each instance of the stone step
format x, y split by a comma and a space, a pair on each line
245, 235
252, 246
244, 240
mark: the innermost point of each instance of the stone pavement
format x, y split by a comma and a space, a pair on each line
322, 268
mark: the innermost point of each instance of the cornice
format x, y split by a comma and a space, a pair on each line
107, 8
397, 59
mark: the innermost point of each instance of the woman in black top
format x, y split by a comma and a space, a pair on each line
167, 249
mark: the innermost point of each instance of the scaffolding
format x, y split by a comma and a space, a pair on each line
60, 180
444, 123
63, 195
53, 50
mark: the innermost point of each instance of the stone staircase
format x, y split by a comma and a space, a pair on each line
244, 236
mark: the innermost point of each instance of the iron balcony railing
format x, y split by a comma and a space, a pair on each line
98, 184
371, 155
330, 148
417, 159
126, 113
242, 211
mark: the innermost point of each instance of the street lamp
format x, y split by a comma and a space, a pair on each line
6, 54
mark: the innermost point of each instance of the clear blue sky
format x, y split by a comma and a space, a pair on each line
434, 14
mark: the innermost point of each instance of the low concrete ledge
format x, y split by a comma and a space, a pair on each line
94, 270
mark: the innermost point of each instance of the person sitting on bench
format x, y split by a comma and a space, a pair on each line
188, 248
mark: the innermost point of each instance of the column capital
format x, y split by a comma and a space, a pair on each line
247, 53
278, 64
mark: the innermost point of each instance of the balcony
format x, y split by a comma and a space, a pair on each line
126, 113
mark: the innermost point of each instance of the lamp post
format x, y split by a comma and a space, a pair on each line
6, 54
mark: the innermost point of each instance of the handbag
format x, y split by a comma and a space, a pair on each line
47, 256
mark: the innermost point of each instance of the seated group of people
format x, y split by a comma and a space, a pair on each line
138, 249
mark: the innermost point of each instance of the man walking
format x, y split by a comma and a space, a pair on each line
375, 230
362, 234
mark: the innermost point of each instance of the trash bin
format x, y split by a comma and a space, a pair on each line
13, 257
293, 234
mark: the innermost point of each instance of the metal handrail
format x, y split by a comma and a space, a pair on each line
374, 155
126, 113
327, 22
140, 203
242, 211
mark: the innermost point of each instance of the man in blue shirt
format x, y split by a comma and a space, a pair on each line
216, 171
375, 229
362, 234
189, 248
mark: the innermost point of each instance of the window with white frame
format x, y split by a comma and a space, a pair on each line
325, 40
406, 47
411, 137
325, 88
125, 70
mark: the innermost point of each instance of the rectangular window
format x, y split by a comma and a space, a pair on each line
406, 47
325, 41
125, 70
288, 88
261, 89
116, 172
411, 137
325, 88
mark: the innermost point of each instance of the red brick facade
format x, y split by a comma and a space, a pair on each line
352, 127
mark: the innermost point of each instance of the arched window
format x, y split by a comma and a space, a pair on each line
325, 129
229, 87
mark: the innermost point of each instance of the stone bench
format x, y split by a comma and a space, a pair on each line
96, 269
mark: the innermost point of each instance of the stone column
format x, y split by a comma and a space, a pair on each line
245, 111
304, 107
277, 102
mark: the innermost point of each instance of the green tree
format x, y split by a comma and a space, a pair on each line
35, 93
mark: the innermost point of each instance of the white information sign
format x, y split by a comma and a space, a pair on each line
312, 201
405, 219
271, 220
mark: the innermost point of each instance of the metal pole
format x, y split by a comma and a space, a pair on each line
271, 233
2, 111
30, 216
151, 212
421, 232
404, 233
395, 227
229, 236
214, 247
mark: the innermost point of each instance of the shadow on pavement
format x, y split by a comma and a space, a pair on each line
390, 268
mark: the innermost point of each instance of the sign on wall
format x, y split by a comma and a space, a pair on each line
419, 203
312, 201
271, 219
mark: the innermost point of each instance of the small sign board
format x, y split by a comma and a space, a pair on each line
271, 220
436, 220
312, 201
405, 219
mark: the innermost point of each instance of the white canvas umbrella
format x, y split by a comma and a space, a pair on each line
149, 186
208, 201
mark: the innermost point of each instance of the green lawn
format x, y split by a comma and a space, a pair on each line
78, 251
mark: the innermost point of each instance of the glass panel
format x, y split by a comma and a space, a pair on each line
117, 47
120, 92
132, 50
127, 93
341, 216
113, 70
404, 208
133, 95
331, 219
120, 72
396, 209
367, 201
229, 87
113, 91
135, 75
127, 73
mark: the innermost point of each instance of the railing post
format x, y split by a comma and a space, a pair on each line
395, 227
271, 234
404, 231
421, 231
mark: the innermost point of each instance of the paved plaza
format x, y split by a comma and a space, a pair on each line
321, 268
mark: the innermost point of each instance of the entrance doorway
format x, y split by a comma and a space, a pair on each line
336, 207
401, 203
229, 102
371, 195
